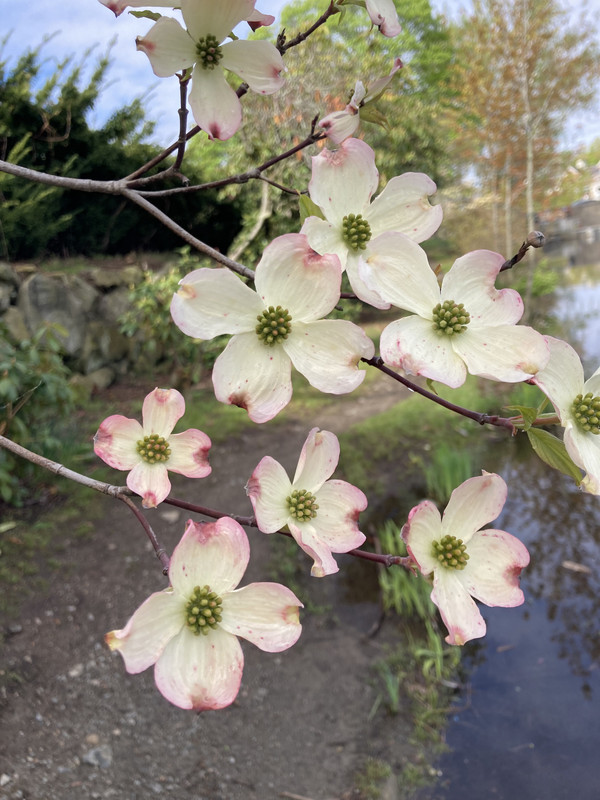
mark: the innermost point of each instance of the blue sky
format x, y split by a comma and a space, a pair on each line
79, 24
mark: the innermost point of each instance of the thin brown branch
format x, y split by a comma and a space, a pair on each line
482, 419
535, 239
283, 46
183, 114
160, 551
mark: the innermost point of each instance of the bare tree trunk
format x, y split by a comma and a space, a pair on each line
508, 237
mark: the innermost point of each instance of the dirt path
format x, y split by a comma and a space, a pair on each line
76, 726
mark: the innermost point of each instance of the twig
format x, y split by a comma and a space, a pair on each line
160, 551
482, 419
283, 46
183, 114
534, 239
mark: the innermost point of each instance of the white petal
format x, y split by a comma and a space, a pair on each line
398, 269
339, 125
210, 553
411, 344
211, 302
424, 527
151, 482
473, 504
403, 207
268, 488
258, 63
215, 105
562, 377
327, 353
459, 612
318, 460
200, 672
291, 274
254, 376
354, 267
308, 539
168, 46
161, 410
508, 353
204, 17
266, 614
492, 573
471, 279
343, 180
156, 622
584, 449
325, 238
189, 454
116, 439
383, 14
259, 20
593, 384
336, 523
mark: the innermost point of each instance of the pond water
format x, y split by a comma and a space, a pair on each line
526, 726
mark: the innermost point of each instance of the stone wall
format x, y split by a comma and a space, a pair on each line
86, 306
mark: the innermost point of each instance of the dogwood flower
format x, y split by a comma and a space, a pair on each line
464, 560
466, 325
384, 15
189, 631
321, 515
577, 404
150, 449
342, 184
171, 48
278, 325
255, 20
339, 125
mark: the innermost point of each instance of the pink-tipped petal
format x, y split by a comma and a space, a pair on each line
204, 17
200, 672
475, 503
343, 180
189, 454
492, 573
118, 6
339, 125
153, 625
161, 410
457, 608
318, 459
210, 553
254, 376
258, 20
507, 353
151, 482
376, 88
266, 614
211, 302
168, 46
422, 529
291, 274
258, 63
562, 377
308, 539
215, 105
325, 238
383, 14
336, 523
471, 281
268, 489
398, 269
403, 206
116, 439
327, 352
411, 344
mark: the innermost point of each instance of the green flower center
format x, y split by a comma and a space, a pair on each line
274, 325
356, 231
208, 51
204, 610
450, 318
450, 552
302, 505
586, 410
154, 449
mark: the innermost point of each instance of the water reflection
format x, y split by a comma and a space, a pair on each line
527, 727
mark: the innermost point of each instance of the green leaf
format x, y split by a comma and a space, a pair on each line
308, 208
371, 114
529, 415
431, 386
554, 453
146, 15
